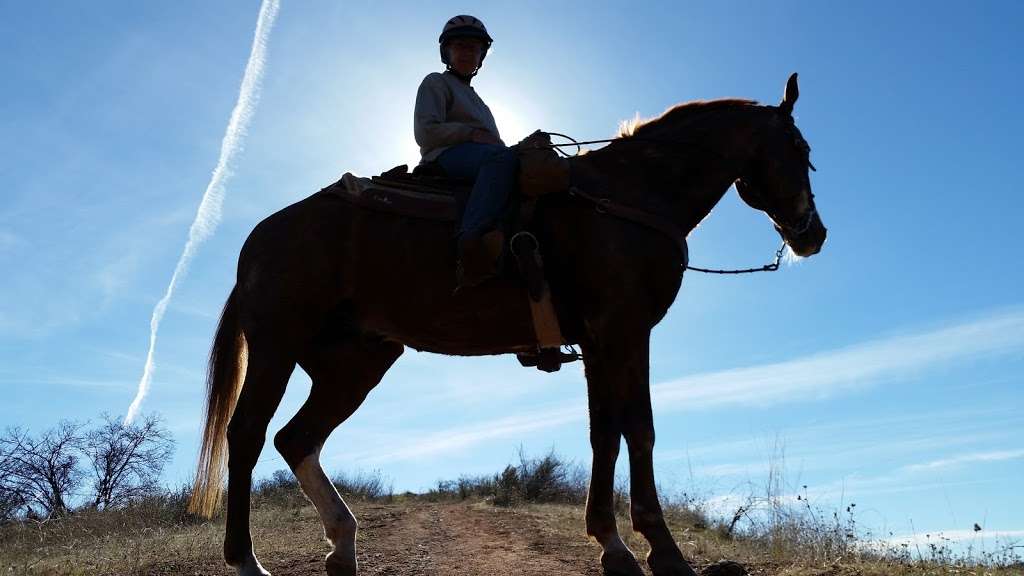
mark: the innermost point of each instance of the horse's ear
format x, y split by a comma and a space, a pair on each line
790, 95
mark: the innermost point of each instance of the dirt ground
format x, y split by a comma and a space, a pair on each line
417, 539
463, 540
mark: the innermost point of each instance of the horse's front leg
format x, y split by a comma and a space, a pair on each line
665, 558
620, 404
605, 403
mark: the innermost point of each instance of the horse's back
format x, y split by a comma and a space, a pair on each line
392, 274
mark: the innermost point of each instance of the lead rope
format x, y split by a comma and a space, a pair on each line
770, 267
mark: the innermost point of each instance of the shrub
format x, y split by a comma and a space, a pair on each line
548, 479
363, 485
280, 489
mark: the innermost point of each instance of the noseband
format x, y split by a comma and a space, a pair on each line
804, 224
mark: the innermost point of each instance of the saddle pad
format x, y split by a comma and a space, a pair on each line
427, 177
373, 195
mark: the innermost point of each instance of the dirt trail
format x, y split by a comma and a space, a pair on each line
410, 538
426, 539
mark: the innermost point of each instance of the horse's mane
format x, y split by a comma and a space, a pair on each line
680, 113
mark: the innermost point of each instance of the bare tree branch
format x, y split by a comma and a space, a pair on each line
42, 472
126, 459
12, 497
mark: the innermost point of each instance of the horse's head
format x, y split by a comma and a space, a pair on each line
777, 182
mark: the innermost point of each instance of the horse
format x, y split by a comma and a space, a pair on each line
341, 290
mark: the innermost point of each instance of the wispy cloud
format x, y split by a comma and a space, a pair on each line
728, 504
457, 438
209, 212
761, 468
73, 382
900, 434
815, 377
196, 311
943, 536
850, 447
971, 458
10, 240
466, 382
855, 367
113, 275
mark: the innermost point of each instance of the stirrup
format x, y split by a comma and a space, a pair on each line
547, 359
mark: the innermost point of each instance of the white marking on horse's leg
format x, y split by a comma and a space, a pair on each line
251, 567
339, 523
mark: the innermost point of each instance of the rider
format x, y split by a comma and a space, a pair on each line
456, 129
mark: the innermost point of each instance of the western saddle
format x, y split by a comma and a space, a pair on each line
428, 193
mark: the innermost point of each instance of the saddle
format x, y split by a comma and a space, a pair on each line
398, 191
428, 193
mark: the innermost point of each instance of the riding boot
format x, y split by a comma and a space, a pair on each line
479, 258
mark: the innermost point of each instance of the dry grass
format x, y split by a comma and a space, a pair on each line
774, 536
123, 541
769, 531
158, 535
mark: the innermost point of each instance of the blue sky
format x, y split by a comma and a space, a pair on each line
885, 371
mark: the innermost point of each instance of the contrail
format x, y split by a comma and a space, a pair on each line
208, 214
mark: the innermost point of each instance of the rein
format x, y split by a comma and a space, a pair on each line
557, 147
659, 223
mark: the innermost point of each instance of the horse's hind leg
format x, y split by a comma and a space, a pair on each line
343, 373
265, 380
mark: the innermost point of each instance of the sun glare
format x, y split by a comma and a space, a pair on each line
511, 121
514, 121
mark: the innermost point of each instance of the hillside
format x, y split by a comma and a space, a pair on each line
403, 535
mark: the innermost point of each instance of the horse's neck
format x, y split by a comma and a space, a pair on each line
700, 188
661, 178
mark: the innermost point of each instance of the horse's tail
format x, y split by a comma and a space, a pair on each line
224, 376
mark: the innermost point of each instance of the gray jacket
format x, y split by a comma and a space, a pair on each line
447, 112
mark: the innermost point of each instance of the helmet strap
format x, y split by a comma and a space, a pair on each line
462, 77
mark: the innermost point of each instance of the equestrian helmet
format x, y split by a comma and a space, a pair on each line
464, 26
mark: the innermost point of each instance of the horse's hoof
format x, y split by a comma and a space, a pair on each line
338, 565
724, 568
620, 563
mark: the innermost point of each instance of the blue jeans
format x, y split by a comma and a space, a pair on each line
493, 169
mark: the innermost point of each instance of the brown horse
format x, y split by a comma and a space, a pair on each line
339, 290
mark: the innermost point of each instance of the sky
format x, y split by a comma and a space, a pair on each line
885, 371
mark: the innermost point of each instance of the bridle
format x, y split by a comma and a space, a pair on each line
606, 205
750, 195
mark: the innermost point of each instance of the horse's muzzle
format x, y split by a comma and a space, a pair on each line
810, 240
